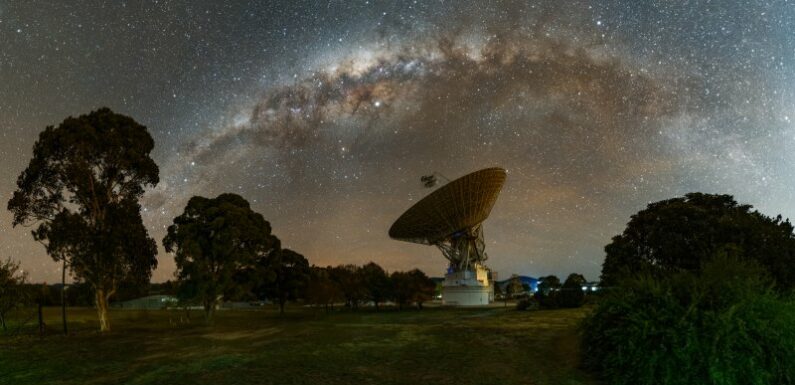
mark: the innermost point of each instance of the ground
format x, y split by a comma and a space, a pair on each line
305, 346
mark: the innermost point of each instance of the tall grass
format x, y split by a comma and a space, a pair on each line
721, 326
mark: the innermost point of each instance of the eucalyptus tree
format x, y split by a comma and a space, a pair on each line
216, 244
81, 190
376, 283
321, 289
283, 276
411, 287
684, 233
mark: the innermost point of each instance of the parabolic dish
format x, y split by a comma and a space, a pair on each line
454, 207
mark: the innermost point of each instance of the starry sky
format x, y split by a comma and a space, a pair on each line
325, 115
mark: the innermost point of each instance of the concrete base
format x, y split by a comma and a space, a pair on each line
467, 288
465, 295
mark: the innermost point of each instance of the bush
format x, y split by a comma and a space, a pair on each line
527, 303
548, 300
723, 325
571, 297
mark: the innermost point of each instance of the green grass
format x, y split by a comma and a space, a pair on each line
435, 345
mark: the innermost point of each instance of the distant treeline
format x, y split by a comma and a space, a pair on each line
354, 285
551, 294
348, 285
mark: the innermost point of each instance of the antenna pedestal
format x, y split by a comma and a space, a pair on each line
468, 287
467, 280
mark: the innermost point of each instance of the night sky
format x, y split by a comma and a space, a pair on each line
325, 115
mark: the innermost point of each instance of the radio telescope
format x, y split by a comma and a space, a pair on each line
451, 218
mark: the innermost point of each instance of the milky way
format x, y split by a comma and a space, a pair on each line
326, 117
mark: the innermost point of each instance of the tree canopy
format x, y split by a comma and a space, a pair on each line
349, 280
376, 282
322, 290
514, 287
283, 275
575, 280
214, 241
82, 188
571, 294
12, 290
412, 287
548, 283
686, 232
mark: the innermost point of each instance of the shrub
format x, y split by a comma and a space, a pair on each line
527, 303
571, 297
723, 325
548, 300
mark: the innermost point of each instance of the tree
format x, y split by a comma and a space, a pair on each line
571, 294
575, 279
686, 232
285, 274
514, 287
548, 284
720, 325
548, 291
376, 283
412, 287
82, 187
12, 289
321, 289
349, 280
401, 288
214, 242
498, 293
424, 287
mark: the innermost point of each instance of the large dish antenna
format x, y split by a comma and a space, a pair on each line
451, 217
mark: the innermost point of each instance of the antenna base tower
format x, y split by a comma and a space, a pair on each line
464, 249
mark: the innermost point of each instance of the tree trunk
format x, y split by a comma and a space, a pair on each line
102, 310
281, 305
3, 321
41, 321
63, 296
209, 310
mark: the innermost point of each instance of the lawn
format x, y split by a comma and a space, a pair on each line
432, 346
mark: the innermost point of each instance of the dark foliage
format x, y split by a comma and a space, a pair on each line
548, 284
283, 276
718, 325
682, 233
527, 303
82, 188
216, 244
514, 288
349, 281
321, 289
571, 294
12, 289
412, 287
376, 282
548, 292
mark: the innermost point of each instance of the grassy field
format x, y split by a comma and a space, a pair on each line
432, 346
